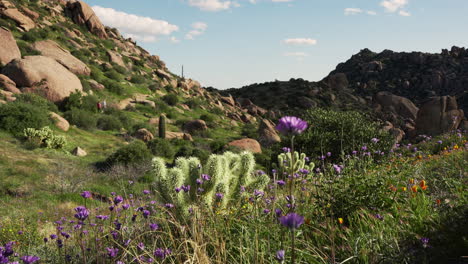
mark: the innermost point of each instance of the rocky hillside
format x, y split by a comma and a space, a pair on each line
56, 48
409, 90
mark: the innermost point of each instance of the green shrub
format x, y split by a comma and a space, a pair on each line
114, 87
208, 118
194, 103
17, 116
154, 87
37, 101
250, 131
97, 74
26, 49
218, 145
161, 148
132, 154
113, 75
341, 133
126, 121
78, 101
81, 118
45, 137
119, 69
138, 79
171, 99
107, 122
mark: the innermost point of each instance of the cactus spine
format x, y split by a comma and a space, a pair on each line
162, 126
230, 174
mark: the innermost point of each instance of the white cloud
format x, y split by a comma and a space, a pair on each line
174, 39
212, 5
140, 28
296, 54
300, 41
372, 13
393, 5
198, 28
404, 13
352, 11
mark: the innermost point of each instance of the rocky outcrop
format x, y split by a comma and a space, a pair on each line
8, 48
8, 85
439, 115
52, 50
247, 144
83, 14
60, 122
7, 9
338, 81
396, 104
179, 135
31, 14
195, 126
115, 58
96, 86
267, 133
143, 134
44, 76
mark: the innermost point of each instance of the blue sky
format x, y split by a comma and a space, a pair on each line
231, 43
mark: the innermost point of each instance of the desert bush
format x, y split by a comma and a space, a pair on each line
45, 137
194, 103
81, 118
17, 116
113, 75
114, 87
37, 101
138, 79
126, 121
218, 145
250, 131
208, 118
26, 49
161, 148
341, 133
76, 100
171, 99
108, 122
97, 74
132, 154
154, 87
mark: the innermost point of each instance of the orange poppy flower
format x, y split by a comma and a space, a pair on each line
340, 220
414, 188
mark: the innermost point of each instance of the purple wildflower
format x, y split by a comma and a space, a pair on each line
291, 125
146, 213
29, 259
281, 182
102, 217
118, 199
81, 213
292, 221
154, 227
375, 140
280, 255
206, 177
146, 192
86, 194
219, 196
112, 252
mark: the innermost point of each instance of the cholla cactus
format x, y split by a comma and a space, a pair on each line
45, 136
285, 163
222, 181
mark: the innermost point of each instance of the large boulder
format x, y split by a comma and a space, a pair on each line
8, 48
9, 10
144, 134
247, 144
439, 115
396, 104
116, 58
60, 122
179, 135
82, 14
51, 49
195, 126
267, 133
79, 152
9, 85
44, 76
338, 81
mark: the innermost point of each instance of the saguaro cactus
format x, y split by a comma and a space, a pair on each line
162, 126
224, 180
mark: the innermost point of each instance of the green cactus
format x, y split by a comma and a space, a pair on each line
285, 159
230, 174
45, 137
162, 126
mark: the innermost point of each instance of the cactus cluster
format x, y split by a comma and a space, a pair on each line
224, 180
285, 163
45, 137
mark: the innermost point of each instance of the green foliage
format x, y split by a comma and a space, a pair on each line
119, 69
138, 79
97, 74
132, 154
17, 116
45, 137
78, 101
218, 145
126, 121
35, 35
113, 86
194, 103
37, 101
113, 75
289, 163
341, 133
154, 87
171, 99
162, 126
108, 122
81, 118
26, 49
161, 148
208, 118
229, 174
250, 131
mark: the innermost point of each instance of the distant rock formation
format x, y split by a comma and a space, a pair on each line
83, 14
